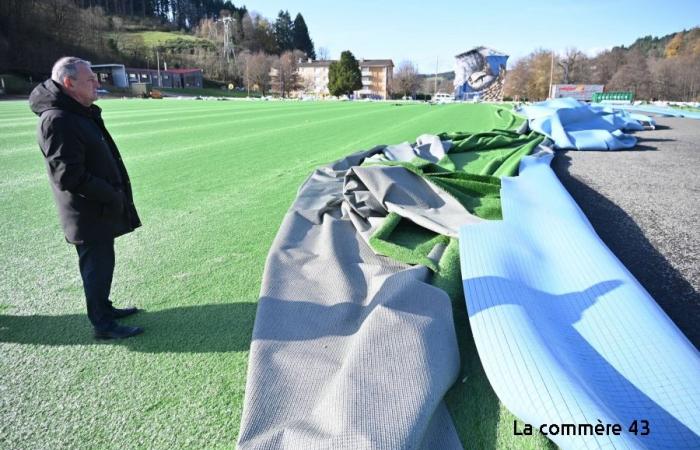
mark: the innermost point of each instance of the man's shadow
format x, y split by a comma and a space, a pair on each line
188, 329
674, 294
591, 382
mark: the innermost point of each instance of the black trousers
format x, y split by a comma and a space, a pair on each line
96, 263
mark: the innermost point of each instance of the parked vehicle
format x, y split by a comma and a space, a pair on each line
442, 97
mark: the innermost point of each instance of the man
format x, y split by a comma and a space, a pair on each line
89, 182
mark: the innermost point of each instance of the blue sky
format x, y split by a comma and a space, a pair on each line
426, 30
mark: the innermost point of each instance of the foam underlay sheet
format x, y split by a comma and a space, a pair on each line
657, 110
575, 125
566, 334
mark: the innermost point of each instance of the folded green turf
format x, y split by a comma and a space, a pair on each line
470, 173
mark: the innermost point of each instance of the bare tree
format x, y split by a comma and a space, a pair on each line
406, 79
676, 78
322, 54
516, 81
633, 76
529, 78
242, 63
285, 75
574, 64
605, 64
258, 69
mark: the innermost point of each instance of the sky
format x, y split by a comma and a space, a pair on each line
431, 32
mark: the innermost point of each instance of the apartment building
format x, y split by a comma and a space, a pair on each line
376, 78
377, 75
313, 78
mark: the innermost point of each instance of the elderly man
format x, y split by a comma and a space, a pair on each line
89, 182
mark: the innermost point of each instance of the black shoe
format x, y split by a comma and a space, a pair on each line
125, 312
118, 332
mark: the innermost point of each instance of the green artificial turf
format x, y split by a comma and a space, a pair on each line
212, 182
208, 92
686, 108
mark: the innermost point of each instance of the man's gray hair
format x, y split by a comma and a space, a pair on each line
66, 67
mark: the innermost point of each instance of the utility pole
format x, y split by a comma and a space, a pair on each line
228, 48
160, 80
551, 75
436, 69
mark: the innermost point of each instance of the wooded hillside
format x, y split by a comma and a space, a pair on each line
34, 33
666, 68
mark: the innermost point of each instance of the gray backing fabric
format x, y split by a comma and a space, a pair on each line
351, 350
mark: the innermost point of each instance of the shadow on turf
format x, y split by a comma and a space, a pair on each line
627, 241
188, 329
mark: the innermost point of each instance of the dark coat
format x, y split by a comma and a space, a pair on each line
88, 178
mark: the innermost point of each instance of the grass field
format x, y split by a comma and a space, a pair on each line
156, 38
212, 181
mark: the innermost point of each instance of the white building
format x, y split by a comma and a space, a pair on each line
313, 78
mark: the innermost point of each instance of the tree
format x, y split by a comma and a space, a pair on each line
516, 82
265, 36
573, 64
242, 62
258, 71
540, 67
673, 47
286, 78
406, 79
529, 78
284, 32
323, 54
302, 40
666, 83
605, 64
248, 33
676, 78
344, 76
633, 76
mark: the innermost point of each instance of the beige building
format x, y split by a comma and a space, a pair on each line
313, 78
377, 75
376, 78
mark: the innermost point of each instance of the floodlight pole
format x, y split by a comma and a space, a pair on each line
160, 81
247, 77
436, 69
551, 75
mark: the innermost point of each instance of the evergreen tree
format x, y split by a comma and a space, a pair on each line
302, 40
284, 32
344, 76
